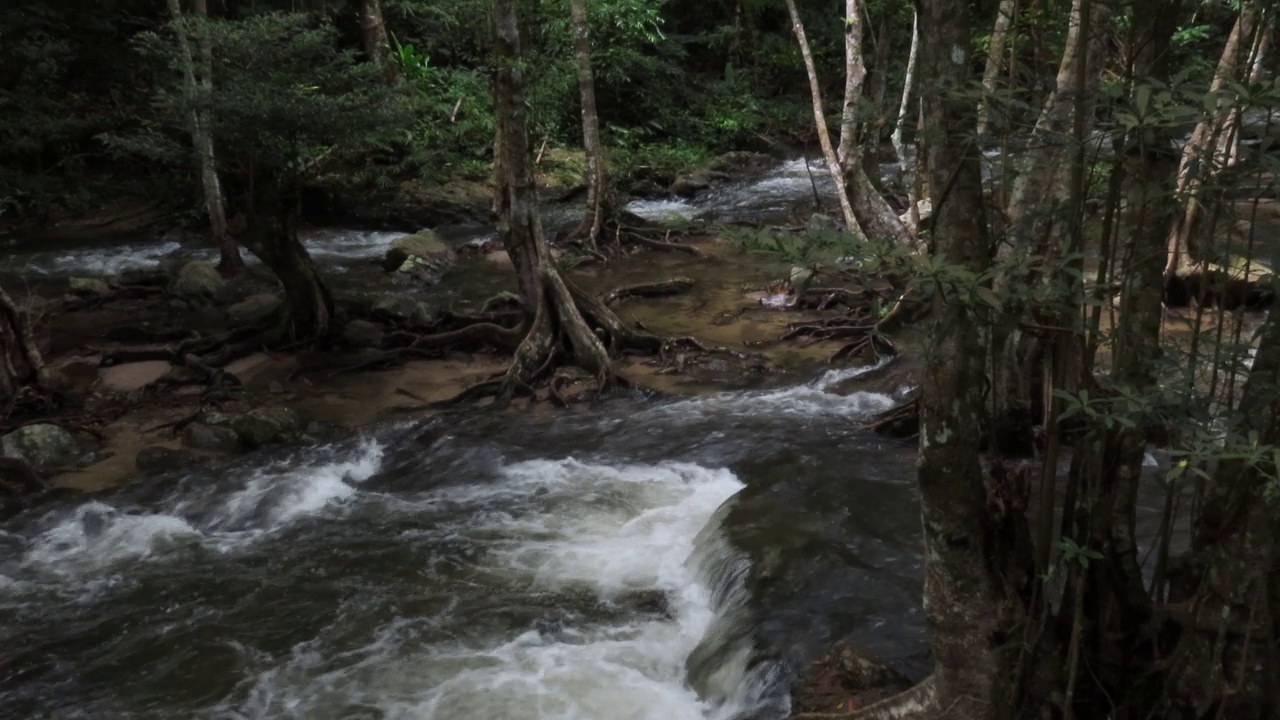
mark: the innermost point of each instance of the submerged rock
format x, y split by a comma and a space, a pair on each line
253, 309
211, 438
423, 254
88, 286
267, 426
43, 445
198, 279
403, 307
158, 459
845, 680
362, 333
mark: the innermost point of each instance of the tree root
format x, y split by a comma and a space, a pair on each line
918, 702
877, 346
663, 288
664, 245
902, 421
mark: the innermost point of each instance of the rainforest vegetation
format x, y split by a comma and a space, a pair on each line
1064, 211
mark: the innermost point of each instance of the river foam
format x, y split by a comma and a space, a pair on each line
590, 535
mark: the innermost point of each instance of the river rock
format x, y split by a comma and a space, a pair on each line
403, 307
212, 438
88, 286
362, 333
422, 253
845, 678
253, 309
156, 459
198, 279
43, 445
730, 167
267, 426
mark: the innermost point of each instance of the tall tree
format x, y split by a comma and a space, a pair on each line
373, 34
596, 179
562, 323
201, 131
866, 212
995, 61
971, 599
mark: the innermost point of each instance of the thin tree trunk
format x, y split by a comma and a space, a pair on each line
596, 191
230, 261
995, 60
820, 122
899, 148
1198, 156
373, 34
1227, 661
855, 73
21, 363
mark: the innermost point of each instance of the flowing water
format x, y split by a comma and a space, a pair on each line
666, 560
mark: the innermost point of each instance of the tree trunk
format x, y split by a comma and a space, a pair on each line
1227, 661
272, 236
995, 60
373, 35
561, 321
972, 565
820, 122
1200, 157
230, 261
21, 364
596, 190
899, 147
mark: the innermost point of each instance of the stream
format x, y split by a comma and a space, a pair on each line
676, 560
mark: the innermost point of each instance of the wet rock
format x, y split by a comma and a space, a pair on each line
422, 254
800, 279
845, 680
267, 426
362, 333
158, 459
727, 168
43, 445
253, 309
821, 223
211, 438
85, 287
405, 308
275, 388
198, 279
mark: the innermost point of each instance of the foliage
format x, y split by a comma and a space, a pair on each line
286, 98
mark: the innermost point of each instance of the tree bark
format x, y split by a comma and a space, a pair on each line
995, 61
21, 364
820, 122
272, 236
230, 261
596, 189
373, 35
971, 602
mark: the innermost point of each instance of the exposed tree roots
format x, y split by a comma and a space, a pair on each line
664, 288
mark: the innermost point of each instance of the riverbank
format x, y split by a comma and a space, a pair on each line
132, 409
